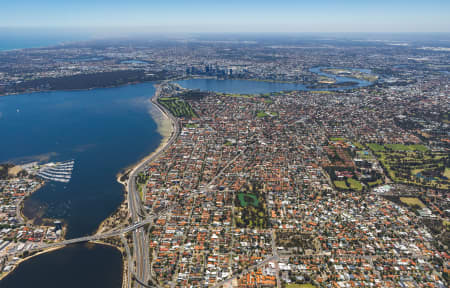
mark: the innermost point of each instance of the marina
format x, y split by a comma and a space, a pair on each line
80, 168
60, 172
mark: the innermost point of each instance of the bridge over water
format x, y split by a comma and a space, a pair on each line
105, 235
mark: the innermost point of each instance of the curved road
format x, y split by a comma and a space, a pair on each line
140, 238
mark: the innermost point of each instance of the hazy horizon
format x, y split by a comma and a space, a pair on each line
251, 16
36, 37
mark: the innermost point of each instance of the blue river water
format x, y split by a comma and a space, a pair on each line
261, 87
75, 266
103, 131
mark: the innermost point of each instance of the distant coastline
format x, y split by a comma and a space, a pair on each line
84, 82
12, 39
113, 79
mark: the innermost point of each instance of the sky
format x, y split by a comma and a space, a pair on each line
231, 15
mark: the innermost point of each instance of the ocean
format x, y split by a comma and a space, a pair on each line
11, 39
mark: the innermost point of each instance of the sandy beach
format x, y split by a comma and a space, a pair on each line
165, 127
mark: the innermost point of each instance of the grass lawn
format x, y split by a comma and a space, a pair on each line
337, 139
322, 92
401, 147
261, 114
141, 191
376, 147
300, 286
404, 166
358, 145
177, 107
447, 172
340, 184
355, 184
411, 201
363, 155
378, 182
238, 95
248, 199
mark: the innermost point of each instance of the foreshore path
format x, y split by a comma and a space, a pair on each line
140, 239
141, 272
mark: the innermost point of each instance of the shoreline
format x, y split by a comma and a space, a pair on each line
48, 250
165, 127
81, 89
25, 221
124, 256
135, 200
30, 221
16, 265
97, 87
177, 79
22, 218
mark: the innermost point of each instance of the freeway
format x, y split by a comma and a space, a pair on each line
139, 220
109, 234
140, 238
142, 283
129, 260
